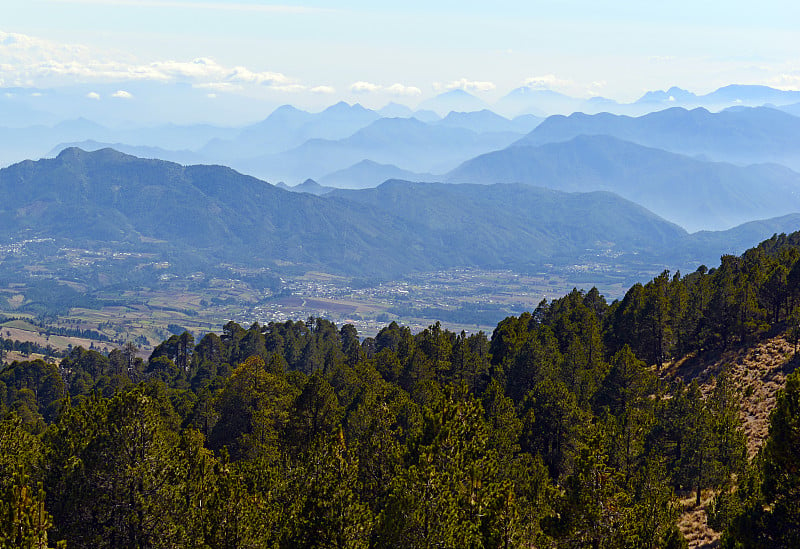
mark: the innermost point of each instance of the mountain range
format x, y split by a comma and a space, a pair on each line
700, 169
144, 103
544, 102
406, 142
292, 145
288, 127
693, 193
738, 135
106, 199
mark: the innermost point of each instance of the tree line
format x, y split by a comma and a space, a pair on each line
558, 431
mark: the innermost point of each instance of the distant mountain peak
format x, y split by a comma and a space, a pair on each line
106, 153
69, 152
286, 109
458, 92
673, 94
676, 89
395, 110
746, 94
309, 186
481, 113
528, 91
283, 114
397, 183
344, 107
453, 100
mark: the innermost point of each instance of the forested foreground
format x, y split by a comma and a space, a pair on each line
560, 431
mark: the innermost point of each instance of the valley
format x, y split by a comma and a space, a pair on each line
468, 299
194, 247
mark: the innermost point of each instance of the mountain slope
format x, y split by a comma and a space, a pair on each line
288, 127
740, 135
204, 215
367, 174
209, 211
693, 193
181, 157
485, 121
99, 198
498, 223
405, 142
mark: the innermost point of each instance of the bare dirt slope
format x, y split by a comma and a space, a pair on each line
759, 371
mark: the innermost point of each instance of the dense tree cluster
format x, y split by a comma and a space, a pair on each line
556, 432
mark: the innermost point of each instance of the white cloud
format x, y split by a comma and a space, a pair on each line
245, 75
364, 87
595, 87
122, 94
326, 90
200, 68
787, 82
401, 90
29, 61
93, 95
395, 89
546, 82
211, 95
467, 85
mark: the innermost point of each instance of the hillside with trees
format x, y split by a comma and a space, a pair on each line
567, 428
201, 216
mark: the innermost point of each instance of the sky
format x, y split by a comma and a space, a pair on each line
312, 54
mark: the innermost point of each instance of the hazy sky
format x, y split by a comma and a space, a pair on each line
312, 53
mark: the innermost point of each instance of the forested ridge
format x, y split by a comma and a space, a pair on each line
561, 430
198, 217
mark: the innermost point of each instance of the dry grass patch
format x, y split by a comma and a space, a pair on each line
759, 372
693, 522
